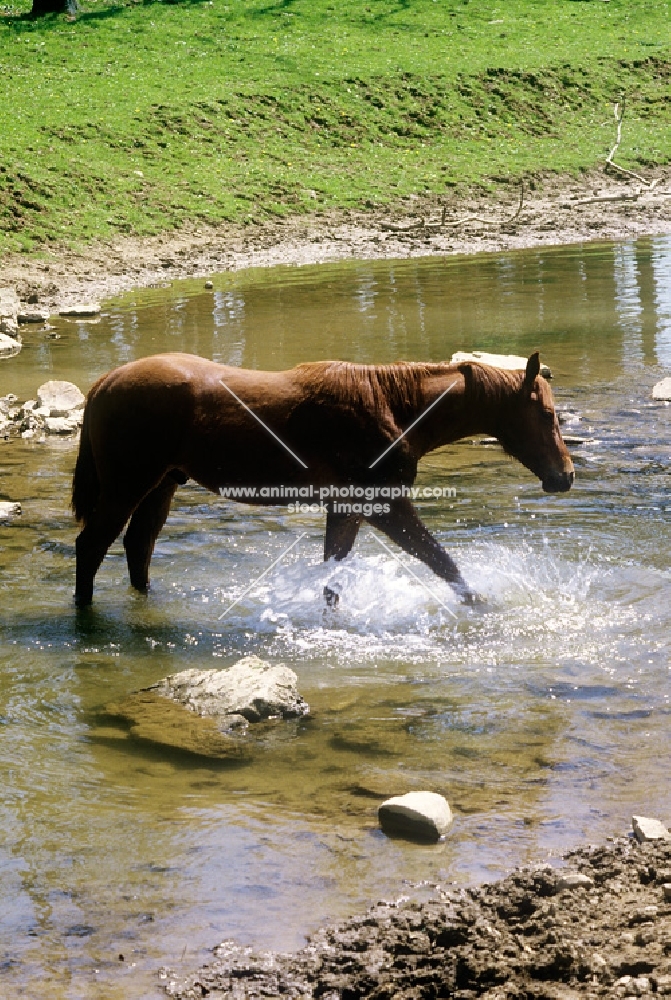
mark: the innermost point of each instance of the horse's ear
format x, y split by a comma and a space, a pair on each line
532, 371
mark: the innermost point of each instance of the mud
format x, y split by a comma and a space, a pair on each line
551, 214
597, 924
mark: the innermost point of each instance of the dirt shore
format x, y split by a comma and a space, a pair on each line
598, 924
554, 211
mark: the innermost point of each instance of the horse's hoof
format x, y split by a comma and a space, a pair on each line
472, 600
332, 597
83, 601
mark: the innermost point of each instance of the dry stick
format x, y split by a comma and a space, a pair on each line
435, 227
619, 115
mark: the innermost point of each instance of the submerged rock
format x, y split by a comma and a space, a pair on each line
81, 309
511, 362
420, 815
206, 712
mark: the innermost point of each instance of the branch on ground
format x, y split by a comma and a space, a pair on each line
422, 226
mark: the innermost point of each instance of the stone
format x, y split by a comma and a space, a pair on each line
63, 425
33, 316
252, 688
662, 390
666, 889
646, 828
208, 712
574, 880
9, 509
419, 815
8, 346
60, 398
209, 284
511, 362
80, 309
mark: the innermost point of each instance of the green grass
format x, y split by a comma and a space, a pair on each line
137, 118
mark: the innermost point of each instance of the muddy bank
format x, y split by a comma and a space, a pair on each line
554, 211
597, 924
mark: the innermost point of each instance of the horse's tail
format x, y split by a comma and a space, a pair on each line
85, 483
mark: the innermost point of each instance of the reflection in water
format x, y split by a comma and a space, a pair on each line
541, 717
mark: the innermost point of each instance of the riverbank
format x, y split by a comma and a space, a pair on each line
596, 924
554, 211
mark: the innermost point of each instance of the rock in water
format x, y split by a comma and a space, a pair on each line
9, 509
420, 815
646, 828
8, 346
207, 711
510, 362
252, 688
81, 309
60, 398
662, 390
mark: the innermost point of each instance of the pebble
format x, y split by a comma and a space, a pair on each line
646, 828
423, 815
574, 880
209, 284
666, 888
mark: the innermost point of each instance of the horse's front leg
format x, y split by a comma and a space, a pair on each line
403, 525
341, 532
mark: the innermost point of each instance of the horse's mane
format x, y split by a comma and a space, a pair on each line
399, 386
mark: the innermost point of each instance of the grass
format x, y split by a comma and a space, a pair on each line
139, 117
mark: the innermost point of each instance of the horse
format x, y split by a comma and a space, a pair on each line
157, 422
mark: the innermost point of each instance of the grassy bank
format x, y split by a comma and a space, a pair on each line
138, 118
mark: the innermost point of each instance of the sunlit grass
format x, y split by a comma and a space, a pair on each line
139, 118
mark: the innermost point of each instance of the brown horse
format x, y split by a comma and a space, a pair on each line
154, 423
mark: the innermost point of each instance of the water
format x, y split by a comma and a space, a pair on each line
544, 719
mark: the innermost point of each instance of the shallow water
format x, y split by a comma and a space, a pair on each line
544, 718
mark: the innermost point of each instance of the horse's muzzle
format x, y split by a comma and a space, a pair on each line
558, 482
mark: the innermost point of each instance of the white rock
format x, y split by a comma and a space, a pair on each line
425, 815
252, 688
80, 309
574, 880
511, 362
646, 828
9, 509
666, 889
33, 316
60, 398
63, 425
8, 346
662, 390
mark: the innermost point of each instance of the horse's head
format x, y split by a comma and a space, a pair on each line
529, 431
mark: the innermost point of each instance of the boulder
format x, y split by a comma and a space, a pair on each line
60, 398
646, 828
418, 815
662, 390
208, 712
9, 509
511, 362
8, 346
64, 425
252, 688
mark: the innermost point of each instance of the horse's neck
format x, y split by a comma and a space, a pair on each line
450, 413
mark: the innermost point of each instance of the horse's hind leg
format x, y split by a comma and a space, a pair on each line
403, 525
102, 527
145, 524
